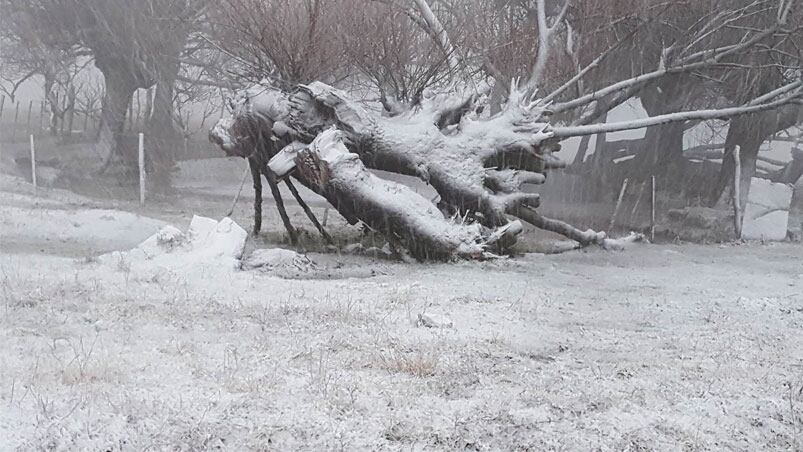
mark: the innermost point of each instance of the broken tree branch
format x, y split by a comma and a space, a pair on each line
309, 212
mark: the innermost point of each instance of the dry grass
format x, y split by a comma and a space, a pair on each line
99, 358
418, 363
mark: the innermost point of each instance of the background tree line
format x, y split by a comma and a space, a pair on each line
585, 57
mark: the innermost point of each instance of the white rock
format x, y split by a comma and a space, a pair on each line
430, 320
225, 240
766, 216
201, 227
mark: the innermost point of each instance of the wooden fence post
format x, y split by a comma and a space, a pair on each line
736, 195
141, 152
28, 120
33, 164
652, 209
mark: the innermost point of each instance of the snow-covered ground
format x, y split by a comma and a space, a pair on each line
670, 347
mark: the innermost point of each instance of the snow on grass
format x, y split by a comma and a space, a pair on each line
100, 228
62, 222
90, 230
655, 348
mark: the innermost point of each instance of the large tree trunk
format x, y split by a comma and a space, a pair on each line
479, 167
661, 152
748, 132
406, 218
120, 87
162, 136
52, 103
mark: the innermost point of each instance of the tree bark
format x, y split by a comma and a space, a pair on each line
119, 89
256, 178
748, 132
162, 134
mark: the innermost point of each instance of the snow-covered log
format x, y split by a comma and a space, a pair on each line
479, 166
402, 215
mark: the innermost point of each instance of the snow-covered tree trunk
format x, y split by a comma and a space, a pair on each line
163, 137
406, 218
479, 167
748, 132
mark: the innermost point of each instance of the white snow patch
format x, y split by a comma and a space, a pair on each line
98, 229
208, 247
623, 242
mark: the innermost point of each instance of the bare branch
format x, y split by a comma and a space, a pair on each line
724, 113
439, 32
699, 60
545, 34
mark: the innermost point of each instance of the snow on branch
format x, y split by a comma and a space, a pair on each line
436, 29
545, 35
700, 115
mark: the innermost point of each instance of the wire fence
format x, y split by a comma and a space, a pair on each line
35, 140
20, 118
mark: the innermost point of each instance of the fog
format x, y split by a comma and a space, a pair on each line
401, 224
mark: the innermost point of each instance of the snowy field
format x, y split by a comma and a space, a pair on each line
659, 347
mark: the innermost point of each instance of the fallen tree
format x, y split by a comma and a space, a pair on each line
478, 166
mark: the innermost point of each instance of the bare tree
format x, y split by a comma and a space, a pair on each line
289, 40
133, 44
25, 54
386, 45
